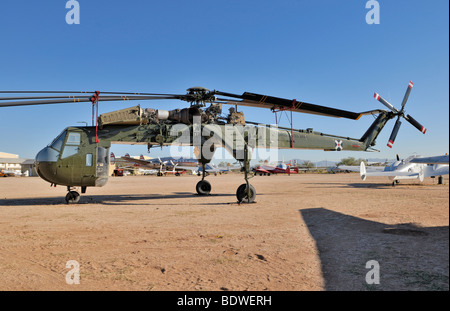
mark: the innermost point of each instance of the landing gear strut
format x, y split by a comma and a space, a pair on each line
203, 187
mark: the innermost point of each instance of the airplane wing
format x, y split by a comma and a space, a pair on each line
438, 171
261, 170
357, 168
187, 168
432, 160
141, 162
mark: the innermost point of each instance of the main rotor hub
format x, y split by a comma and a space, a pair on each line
198, 96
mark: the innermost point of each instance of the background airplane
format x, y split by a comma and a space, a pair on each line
411, 168
163, 166
5, 173
279, 169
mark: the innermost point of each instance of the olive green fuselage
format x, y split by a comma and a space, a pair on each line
77, 158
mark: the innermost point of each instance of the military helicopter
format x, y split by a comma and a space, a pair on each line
79, 156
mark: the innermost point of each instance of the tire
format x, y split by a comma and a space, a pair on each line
241, 194
72, 197
203, 187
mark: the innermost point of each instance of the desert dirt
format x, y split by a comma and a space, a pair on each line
309, 232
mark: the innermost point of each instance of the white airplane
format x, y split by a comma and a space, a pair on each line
147, 172
411, 168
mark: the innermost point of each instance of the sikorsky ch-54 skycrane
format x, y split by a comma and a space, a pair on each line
79, 156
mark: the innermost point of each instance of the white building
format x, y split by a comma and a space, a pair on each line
12, 162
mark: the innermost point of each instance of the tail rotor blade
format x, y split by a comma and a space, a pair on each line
394, 133
408, 91
416, 124
385, 102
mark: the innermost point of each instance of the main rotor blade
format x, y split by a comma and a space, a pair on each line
264, 101
416, 124
83, 99
394, 133
408, 91
84, 92
43, 97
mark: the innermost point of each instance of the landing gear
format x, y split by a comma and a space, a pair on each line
246, 193
203, 187
72, 197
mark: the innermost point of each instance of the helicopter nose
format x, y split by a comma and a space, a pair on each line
45, 163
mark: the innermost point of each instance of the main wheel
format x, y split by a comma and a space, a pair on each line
242, 195
72, 197
203, 187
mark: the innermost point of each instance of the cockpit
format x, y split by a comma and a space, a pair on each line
64, 145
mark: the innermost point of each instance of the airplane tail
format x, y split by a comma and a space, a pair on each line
362, 170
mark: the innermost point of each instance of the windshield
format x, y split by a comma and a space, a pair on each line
58, 141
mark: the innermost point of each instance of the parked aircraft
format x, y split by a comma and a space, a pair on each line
164, 166
411, 168
279, 169
5, 173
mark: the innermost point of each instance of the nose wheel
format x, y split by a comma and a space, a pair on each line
72, 197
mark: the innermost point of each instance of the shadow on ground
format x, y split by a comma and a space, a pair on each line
132, 199
409, 257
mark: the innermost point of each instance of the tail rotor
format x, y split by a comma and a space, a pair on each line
400, 114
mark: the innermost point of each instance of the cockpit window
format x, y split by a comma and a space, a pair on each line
73, 139
72, 143
58, 142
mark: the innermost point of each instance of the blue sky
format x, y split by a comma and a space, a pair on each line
321, 51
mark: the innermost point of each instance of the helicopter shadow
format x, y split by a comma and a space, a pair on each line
128, 200
410, 257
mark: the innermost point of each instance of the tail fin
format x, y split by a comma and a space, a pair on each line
362, 170
369, 137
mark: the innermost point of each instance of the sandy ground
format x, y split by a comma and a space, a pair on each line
306, 232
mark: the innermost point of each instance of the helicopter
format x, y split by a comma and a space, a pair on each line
79, 156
